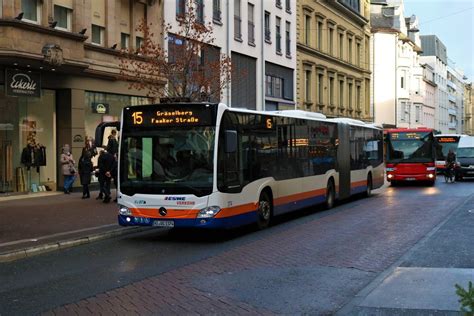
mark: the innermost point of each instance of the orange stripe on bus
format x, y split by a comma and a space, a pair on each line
237, 210
358, 183
300, 196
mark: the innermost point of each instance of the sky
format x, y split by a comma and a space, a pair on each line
453, 22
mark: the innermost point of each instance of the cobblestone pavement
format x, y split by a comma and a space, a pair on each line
312, 267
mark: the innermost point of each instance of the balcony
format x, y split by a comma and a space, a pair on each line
451, 84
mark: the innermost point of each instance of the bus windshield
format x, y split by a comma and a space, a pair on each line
465, 152
444, 145
410, 147
176, 160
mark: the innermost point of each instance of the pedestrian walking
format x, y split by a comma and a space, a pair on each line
106, 165
99, 176
68, 168
112, 144
85, 171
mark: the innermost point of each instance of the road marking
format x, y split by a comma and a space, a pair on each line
35, 239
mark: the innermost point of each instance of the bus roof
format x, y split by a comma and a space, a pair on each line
409, 130
305, 115
450, 135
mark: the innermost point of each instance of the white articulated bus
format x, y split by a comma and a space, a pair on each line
211, 166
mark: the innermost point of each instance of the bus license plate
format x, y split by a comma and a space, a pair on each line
410, 179
163, 223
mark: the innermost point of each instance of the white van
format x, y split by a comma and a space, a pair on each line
465, 157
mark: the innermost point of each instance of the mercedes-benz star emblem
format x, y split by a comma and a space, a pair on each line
163, 211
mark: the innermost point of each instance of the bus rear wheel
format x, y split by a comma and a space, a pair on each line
330, 195
264, 211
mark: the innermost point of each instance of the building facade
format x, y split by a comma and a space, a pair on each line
435, 54
59, 78
334, 70
455, 87
398, 76
468, 109
428, 93
260, 38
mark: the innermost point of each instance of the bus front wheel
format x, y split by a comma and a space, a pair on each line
330, 195
368, 191
264, 211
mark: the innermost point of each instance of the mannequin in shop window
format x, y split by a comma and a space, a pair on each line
34, 154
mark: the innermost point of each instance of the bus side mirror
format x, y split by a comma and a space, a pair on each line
230, 141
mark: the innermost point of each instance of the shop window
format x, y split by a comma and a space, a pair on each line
98, 35
28, 149
62, 16
31, 10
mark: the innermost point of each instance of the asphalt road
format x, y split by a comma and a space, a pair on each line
311, 262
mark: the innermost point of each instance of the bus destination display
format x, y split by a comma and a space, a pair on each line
158, 117
448, 139
408, 135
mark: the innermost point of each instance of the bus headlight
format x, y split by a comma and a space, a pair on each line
123, 210
431, 176
208, 212
390, 176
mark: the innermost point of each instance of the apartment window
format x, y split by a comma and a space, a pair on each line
403, 108
331, 40
200, 11
358, 97
288, 39
358, 54
138, 42
97, 35
288, 6
418, 113
278, 3
268, 32
274, 86
367, 96
349, 48
251, 25
349, 88
31, 10
320, 88
320, 35
367, 53
307, 29
341, 93
331, 91
124, 40
341, 45
278, 35
216, 10
237, 21
403, 79
307, 85
62, 16
180, 8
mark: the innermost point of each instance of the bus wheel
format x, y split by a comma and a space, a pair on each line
368, 191
330, 195
264, 211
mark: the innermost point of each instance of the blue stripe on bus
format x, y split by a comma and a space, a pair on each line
358, 189
292, 206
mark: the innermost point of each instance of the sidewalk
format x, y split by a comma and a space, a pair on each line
47, 221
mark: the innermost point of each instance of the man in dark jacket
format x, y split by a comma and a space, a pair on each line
106, 166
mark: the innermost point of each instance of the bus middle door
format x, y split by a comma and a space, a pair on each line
344, 161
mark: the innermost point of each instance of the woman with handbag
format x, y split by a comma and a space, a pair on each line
68, 168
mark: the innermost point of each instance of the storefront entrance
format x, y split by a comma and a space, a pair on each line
28, 155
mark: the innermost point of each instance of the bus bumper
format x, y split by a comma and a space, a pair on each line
207, 223
411, 177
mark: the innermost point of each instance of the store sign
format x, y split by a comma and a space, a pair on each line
23, 83
100, 108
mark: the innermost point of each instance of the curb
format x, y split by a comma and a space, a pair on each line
64, 244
